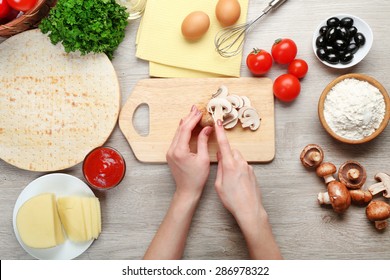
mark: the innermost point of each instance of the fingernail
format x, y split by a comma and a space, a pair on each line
193, 108
219, 122
181, 121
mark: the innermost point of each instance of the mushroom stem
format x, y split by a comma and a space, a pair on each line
314, 156
381, 225
323, 198
329, 178
377, 188
218, 113
353, 174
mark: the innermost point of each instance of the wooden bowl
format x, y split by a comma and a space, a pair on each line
360, 77
28, 20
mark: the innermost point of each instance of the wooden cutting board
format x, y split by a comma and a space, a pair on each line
171, 99
54, 107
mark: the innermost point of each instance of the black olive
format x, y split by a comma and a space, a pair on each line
352, 31
346, 22
320, 42
340, 45
332, 58
321, 53
323, 30
331, 35
342, 33
352, 48
329, 48
346, 58
359, 38
332, 22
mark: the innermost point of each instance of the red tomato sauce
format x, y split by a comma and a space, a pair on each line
104, 168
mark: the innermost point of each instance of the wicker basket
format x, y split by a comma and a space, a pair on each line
28, 20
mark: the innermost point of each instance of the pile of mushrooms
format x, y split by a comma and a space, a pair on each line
230, 109
349, 186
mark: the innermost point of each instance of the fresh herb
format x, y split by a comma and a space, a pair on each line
86, 25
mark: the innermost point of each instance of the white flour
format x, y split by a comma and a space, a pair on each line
354, 109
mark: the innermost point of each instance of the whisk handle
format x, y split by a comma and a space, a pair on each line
273, 5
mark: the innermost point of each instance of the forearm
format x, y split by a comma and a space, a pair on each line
259, 237
171, 236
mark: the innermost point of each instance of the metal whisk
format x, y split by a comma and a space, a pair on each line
230, 40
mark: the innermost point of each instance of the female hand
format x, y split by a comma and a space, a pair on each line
236, 182
189, 170
237, 188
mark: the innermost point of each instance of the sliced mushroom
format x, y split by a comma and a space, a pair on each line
218, 107
236, 101
221, 92
249, 118
231, 119
246, 101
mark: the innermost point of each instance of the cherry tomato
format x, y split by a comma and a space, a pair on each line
22, 5
284, 51
4, 8
298, 68
286, 87
259, 61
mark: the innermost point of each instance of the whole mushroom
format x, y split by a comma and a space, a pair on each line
326, 170
360, 197
352, 174
337, 195
312, 156
382, 186
378, 211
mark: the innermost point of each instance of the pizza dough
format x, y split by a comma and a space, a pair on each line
54, 107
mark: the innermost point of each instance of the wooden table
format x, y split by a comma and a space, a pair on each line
133, 211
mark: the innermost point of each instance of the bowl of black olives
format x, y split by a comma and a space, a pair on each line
342, 41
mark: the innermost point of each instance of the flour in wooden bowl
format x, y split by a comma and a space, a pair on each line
354, 109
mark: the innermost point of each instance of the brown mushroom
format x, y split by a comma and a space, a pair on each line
326, 170
312, 156
360, 197
207, 118
378, 211
352, 174
382, 186
337, 195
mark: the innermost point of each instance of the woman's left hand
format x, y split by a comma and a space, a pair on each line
189, 170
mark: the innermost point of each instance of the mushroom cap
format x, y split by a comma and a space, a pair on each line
352, 174
221, 92
360, 197
308, 152
339, 196
325, 169
378, 210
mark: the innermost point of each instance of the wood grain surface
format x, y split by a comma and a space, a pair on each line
133, 211
167, 106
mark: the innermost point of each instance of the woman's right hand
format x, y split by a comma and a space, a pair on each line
238, 190
236, 182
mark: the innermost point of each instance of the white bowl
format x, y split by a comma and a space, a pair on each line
362, 27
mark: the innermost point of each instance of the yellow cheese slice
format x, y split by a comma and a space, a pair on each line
72, 218
94, 218
38, 223
86, 206
99, 215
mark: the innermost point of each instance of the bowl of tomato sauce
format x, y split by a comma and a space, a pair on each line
104, 168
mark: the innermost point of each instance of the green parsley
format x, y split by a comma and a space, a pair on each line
86, 25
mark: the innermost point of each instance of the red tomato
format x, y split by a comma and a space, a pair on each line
259, 62
4, 8
298, 68
22, 5
284, 51
286, 87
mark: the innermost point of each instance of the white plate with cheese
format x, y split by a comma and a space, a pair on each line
60, 185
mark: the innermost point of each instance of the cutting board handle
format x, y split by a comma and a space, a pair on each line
126, 120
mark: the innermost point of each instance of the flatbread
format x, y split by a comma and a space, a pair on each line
54, 107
